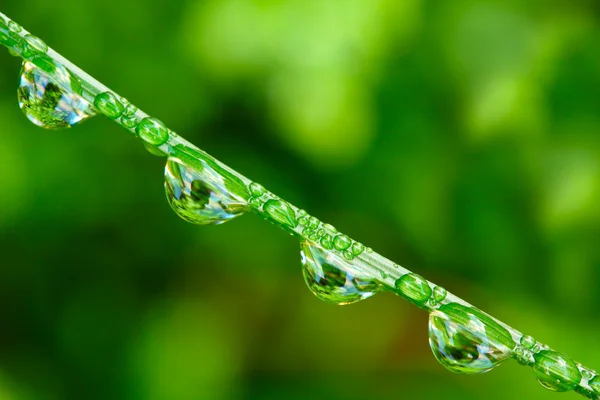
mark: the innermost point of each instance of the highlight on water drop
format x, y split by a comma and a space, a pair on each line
200, 195
334, 279
465, 340
52, 101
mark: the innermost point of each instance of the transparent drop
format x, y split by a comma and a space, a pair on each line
555, 371
465, 340
413, 288
200, 196
334, 279
52, 102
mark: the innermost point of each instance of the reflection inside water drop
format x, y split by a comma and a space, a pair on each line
51, 102
465, 340
200, 196
332, 278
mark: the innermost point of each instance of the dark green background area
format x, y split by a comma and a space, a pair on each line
459, 138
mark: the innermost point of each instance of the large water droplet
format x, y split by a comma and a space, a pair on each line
200, 196
555, 371
465, 340
52, 102
332, 278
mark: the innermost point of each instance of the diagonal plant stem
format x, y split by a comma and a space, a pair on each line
296, 222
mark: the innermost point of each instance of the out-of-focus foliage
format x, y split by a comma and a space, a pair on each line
459, 138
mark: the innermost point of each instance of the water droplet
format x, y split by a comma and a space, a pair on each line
327, 242
555, 371
153, 131
302, 213
130, 109
255, 202
586, 373
108, 104
281, 212
200, 196
369, 250
51, 102
128, 121
527, 341
13, 26
414, 288
465, 340
595, 384
313, 222
439, 293
357, 248
303, 221
341, 242
256, 189
348, 255
333, 279
33, 46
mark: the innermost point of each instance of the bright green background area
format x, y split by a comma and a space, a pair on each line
458, 138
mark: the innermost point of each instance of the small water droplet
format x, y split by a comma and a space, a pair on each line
302, 213
153, 131
348, 255
33, 45
200, 196
327, 242
465, 340
13, 26
439, 294
369, 250
333, 279
555, 371
527, 341
130, 109
281, 212
313, 222
303, 221
586, 373
255, 202
108, 104
357, 248
413, 288
129, 121
341, 242
51, 102
256, 189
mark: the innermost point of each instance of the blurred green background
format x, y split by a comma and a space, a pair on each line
458, 138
